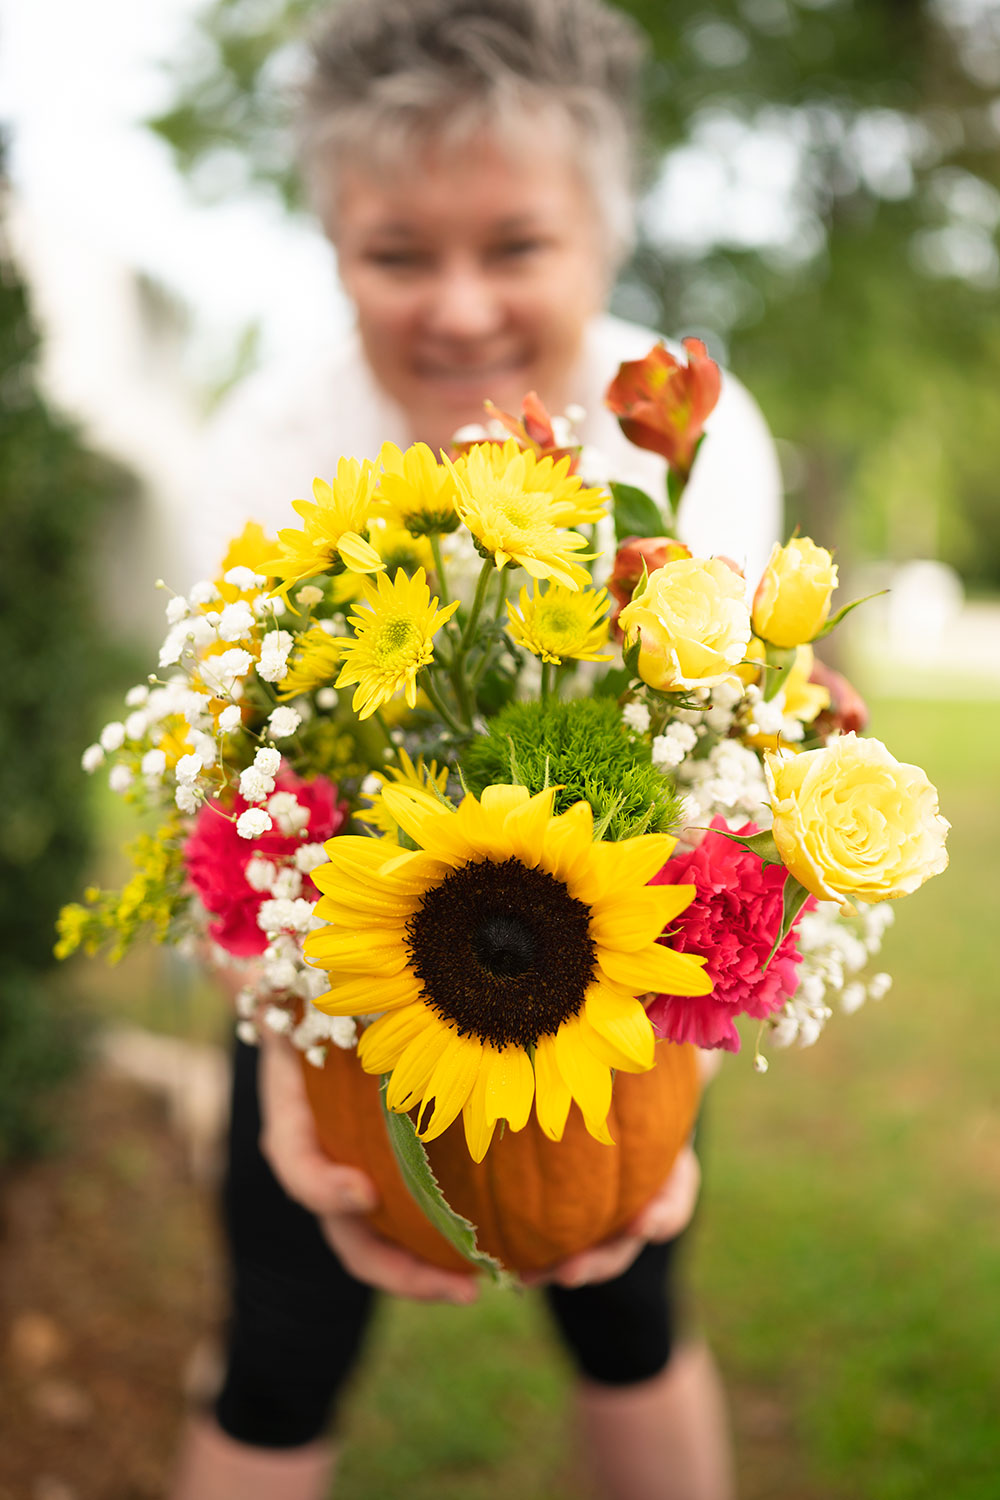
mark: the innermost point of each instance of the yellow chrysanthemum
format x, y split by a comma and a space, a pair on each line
333, 530
316, 657
398, 548
251, 549
417, 779
394, 626
507, 952
418, 490
558, 623
517, 507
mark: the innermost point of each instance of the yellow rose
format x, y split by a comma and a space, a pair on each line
692, 624
792, 600
804, 699
851, 821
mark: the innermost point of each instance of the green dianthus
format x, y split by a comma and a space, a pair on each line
584, 748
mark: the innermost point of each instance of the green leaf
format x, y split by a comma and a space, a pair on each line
761, 844
636, 513
780, 660
794, 898
426, 1192
835, 620
612, 684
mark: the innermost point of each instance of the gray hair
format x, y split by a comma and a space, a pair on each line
388, 74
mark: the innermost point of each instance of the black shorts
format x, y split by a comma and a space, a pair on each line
298, 1318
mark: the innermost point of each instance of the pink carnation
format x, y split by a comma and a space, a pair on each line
732, 921
216, 859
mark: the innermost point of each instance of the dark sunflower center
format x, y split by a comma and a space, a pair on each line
502, 951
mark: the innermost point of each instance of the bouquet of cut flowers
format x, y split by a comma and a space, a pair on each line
497, 860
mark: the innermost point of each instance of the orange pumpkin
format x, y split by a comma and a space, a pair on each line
534, 1201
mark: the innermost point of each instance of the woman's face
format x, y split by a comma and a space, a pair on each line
473, 272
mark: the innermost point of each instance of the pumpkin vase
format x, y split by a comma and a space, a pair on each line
534, 1201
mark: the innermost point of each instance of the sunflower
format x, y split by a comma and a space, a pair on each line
422, 780
517, 507
394, 626
333, 532
418, 491
559, 623
506, 953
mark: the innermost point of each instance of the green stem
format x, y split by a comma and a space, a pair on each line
501, 594
435, 542
439, 703
469, 634
545, 683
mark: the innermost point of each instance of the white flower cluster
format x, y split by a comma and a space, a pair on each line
769, 717
835, 949
728, 781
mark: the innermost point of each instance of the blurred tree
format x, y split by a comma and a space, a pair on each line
822, 206
55, 498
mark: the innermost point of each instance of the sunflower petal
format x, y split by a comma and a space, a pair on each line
552, 1095
629, 920
361, 995
478, 1127
656, 968
624, 1025
451, 1084
408, 1083
588, 1079
510, 1085
383, 1042
623, 866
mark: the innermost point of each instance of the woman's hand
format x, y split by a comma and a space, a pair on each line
337, 1195
664, 1216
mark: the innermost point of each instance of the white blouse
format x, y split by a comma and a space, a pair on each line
291, 421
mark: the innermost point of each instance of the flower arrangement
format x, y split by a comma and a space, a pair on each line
507, 845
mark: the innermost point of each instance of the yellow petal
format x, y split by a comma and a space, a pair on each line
568, 842
408, 1083
359, 555
362, 995
656, 968
478, 1128
588, 1079
384, 1041
624, 1025
631, 919
451, 1083
359, 952
623, 866
525, 825
510, 1085
552, 1095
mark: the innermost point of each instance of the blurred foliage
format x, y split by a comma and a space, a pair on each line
55, 496
823, 207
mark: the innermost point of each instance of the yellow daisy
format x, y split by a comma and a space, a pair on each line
333, 532
517, 507
507, 954
417, 779
316, 657
394, 626
559, 623
418, 490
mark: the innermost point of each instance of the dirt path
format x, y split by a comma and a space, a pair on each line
108, 1297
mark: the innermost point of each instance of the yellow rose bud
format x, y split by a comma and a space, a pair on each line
692, 624
851, 821
792, 601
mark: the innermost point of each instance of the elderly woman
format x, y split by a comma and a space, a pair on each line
471, 164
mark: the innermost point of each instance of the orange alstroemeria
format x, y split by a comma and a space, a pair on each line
662, 404
533, 430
